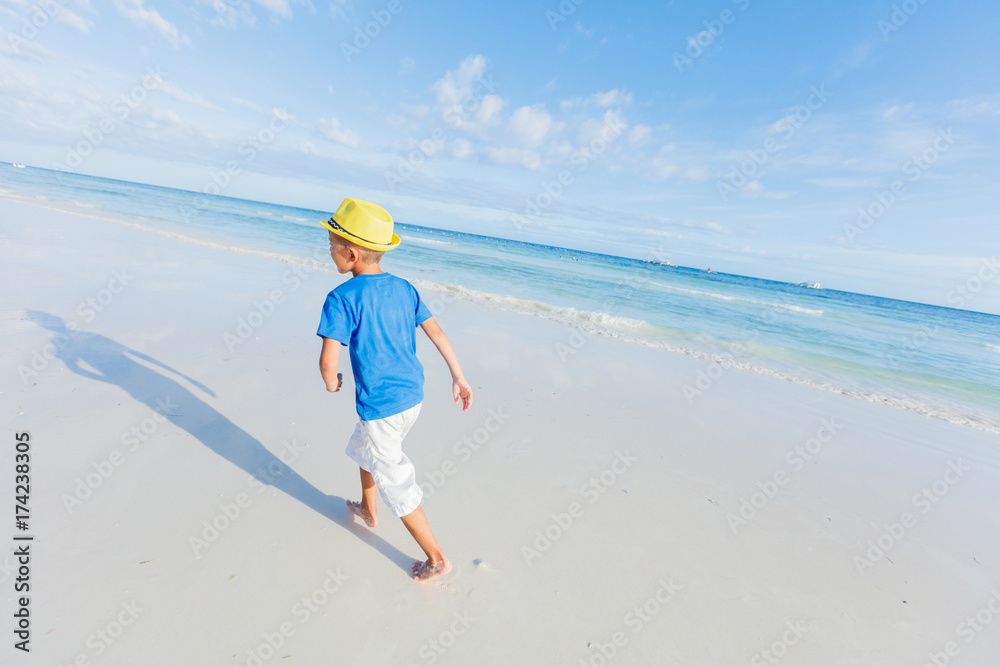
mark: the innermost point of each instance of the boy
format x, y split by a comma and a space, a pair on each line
376, 314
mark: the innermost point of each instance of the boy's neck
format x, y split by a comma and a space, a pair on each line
366, 270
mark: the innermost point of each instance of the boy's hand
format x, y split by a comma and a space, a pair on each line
340, 383
461, 390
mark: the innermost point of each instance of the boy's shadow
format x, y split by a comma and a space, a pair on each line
116, 364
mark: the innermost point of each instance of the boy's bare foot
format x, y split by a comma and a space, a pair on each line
424, 570
363, 514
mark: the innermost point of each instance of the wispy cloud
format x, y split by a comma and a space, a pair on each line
332, 130
183, 96
150, 19
279, 7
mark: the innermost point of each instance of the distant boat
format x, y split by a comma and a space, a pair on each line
18, 165
709, 271
810, 285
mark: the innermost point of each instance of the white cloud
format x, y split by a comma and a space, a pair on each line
558, 151
895, 111
605, 100
164, 115
612, 98
460, 149
696, 173
639, 134
489, 110
143, 17
16, 79
183, 96
282, 114
228, 14
608, 127
331, 129
660, 169
529, 125
244, 103
844, 182
14, 45
71, 19
337, 11
396, 121
969, 107
89, 94
407, 64
456, 85
855, 57
279, 7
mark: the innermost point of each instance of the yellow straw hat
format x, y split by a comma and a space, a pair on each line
364, 223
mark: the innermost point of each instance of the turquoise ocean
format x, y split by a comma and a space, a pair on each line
937, 361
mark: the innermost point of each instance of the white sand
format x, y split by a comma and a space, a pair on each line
657, 536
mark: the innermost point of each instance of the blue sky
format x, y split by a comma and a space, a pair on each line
851, 143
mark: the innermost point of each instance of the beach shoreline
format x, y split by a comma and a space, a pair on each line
583, 485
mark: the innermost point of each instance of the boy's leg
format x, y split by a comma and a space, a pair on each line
367, 509
436, 564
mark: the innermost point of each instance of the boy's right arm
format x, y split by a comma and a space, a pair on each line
329, 359
460, 389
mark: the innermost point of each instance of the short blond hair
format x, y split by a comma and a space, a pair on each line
370, 256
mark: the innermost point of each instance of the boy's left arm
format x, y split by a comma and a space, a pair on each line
329, 358
459, 387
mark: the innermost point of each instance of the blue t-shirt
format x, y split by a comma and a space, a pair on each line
376, 316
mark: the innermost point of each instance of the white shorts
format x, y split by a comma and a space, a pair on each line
377, 446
